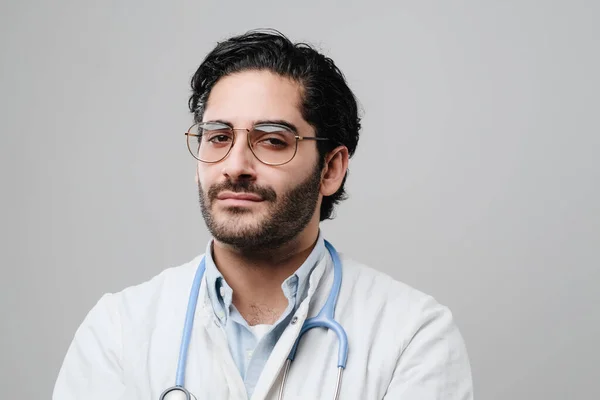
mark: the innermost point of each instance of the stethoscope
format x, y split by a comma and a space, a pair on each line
324, 319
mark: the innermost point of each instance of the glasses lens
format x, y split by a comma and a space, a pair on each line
210, 142
273, 144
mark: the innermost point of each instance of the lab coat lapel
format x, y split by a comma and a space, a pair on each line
311, 305
222, 361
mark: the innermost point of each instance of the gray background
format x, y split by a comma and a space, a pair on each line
476, 178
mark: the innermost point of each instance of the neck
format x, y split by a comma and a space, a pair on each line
256, 277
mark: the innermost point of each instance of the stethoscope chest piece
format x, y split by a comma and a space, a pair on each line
177, 393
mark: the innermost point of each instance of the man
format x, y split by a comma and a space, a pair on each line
275, 125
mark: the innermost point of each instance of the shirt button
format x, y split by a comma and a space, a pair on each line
294, 320
222, 291
217, 323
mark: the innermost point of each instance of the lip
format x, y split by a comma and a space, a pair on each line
239, 197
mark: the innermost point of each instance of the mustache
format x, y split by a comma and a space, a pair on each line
266, 193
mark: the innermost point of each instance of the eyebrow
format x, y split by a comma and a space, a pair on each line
282, 122
219, 121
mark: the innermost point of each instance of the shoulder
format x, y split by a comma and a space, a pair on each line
418, 344
389, 302
146, 301
367, 282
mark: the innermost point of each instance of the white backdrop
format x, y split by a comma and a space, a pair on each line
476, 178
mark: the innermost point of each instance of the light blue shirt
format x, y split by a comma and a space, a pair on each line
249, 352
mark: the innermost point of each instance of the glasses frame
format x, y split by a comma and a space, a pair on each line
299, 138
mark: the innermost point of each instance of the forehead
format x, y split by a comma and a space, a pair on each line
245, 97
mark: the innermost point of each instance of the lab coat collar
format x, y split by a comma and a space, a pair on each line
319, 283
295, 287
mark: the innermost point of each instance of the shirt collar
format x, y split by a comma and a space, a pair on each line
295, 287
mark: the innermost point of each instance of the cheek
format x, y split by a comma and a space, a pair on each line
203, 177
285, 182
276, 178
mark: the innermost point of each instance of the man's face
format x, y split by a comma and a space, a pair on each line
278, 201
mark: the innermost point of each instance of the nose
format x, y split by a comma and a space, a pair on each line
240, 162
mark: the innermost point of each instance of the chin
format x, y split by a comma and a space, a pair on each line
234, 210
239, 236
227, 215
236, 219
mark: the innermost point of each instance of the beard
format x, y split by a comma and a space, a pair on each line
287, 215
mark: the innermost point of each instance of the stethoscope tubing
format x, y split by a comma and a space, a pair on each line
324, 319
188, 325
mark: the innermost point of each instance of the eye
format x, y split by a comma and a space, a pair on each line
217, 136
273, 141
273, 137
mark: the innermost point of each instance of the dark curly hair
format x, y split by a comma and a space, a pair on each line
328, 104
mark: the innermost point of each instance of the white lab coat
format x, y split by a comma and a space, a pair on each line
402, 344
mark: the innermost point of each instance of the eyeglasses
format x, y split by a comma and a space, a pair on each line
271, 143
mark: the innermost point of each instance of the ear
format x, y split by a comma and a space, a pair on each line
334, 171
